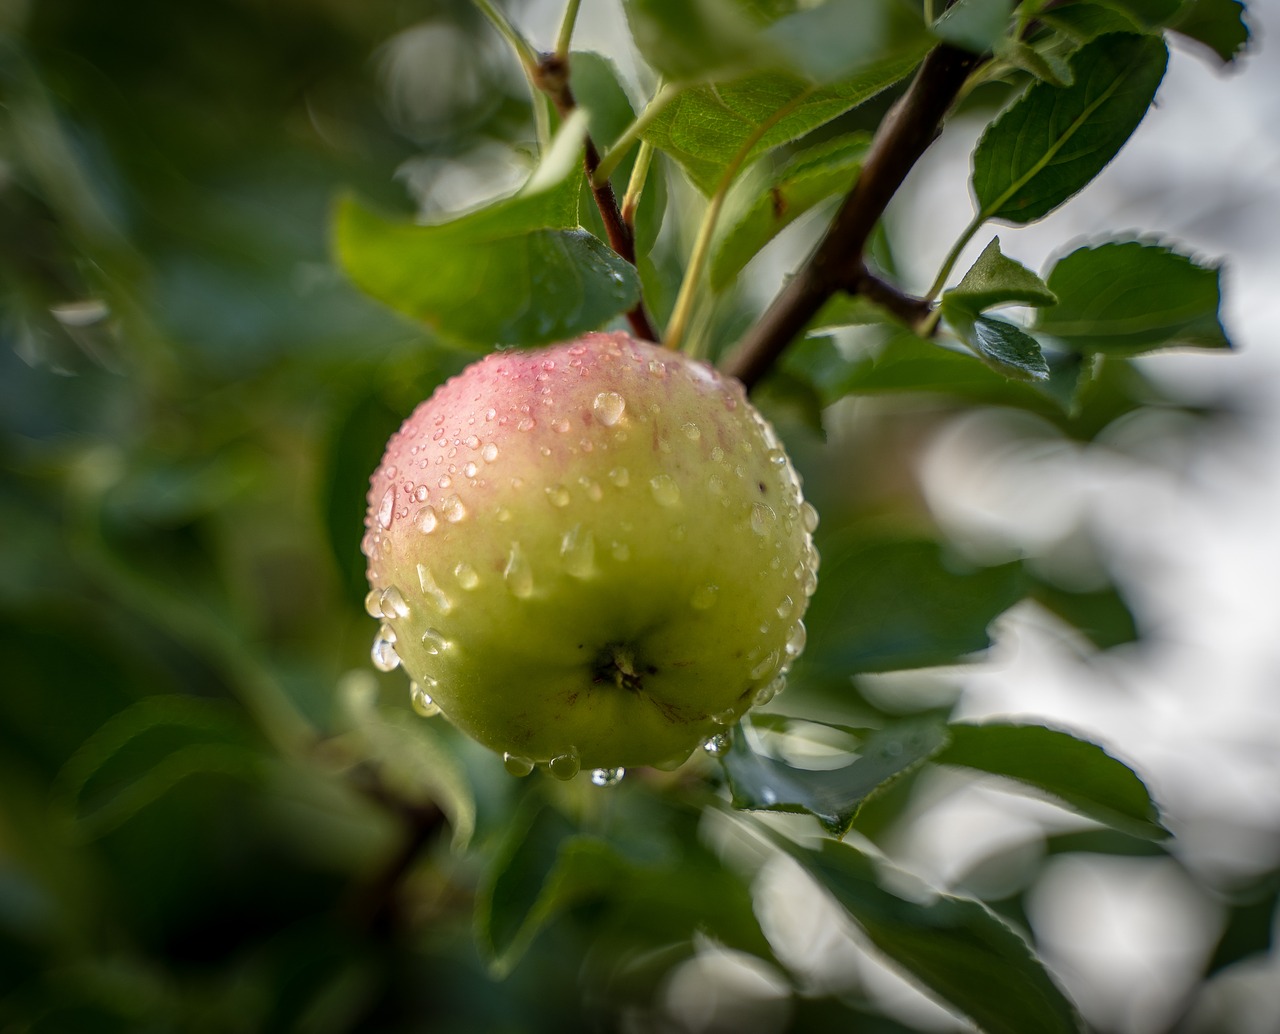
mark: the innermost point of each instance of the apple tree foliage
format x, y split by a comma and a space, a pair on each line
215, 814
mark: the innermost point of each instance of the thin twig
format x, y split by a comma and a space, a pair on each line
553, 79
836, 264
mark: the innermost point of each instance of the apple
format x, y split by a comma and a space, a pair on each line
594, 554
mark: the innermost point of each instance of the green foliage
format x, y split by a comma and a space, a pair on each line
215, 815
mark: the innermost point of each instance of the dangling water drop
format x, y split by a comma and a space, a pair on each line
421, 703
432, 591
607, 776
796, 639
724, 717
809, 516
425, 520
517, 765
433, 641
383, 652
786, 607
766, 666
393, 603
717, 745
564, 766
373, 603
770, 691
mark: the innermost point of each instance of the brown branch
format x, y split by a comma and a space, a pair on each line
836, 264
552, 77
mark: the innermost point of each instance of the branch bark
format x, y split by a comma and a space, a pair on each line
552, 77
837, 263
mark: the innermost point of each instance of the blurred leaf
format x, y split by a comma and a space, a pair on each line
1080, 22
140, 754
1149, 13
1007, 349
976, 25
694, 40
543, 866
839, 39
413, 761
1077, 773
1127, 297
1248, 930
956, 948
887, 605
808, 178
833, 796
1101, 614
1054, 140
1218, 24
705, 127
995, 280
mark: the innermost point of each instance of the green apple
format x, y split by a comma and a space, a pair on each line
593, 554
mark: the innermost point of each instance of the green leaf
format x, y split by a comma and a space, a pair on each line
705, 127
976, 25
1077, 773
887, 605
833, 796
1054, 140
829, 42
1151, 14
1043, 62
956, 948
1126, 298
806, 180
146, 750
1007, 349
1082, 22
413, 759
996, 280
1218, 24
543, 867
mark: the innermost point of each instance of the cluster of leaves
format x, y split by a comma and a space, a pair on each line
209, 821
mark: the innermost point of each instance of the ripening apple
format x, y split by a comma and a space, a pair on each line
594, 554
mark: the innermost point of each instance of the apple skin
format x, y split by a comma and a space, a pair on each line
595, 552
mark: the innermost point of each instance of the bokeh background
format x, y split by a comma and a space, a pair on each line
191, 398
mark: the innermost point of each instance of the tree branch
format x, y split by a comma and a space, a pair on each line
836, 264
552, 77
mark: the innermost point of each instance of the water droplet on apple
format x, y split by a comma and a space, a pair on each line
468, 577
383, 652
517, 765
796, 638
810, 585
386, 506
564, 766
373, 603
490, 452
470, 470
433, 641
425, 520
724, 717
517, 574
692, 431
620, 550
526, 423
421, 702
665, 491
769, 691
558, 495
717, 745
560, 426
578, 551
717, 454
439, 599
607, 776
704, 597
620, 476
421, 494
502, 514
609, 407
393, 603
453, 509
445, 481
809, 516
777, 457
767, 666
472, 442
762, 518
594, 492
786, 607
